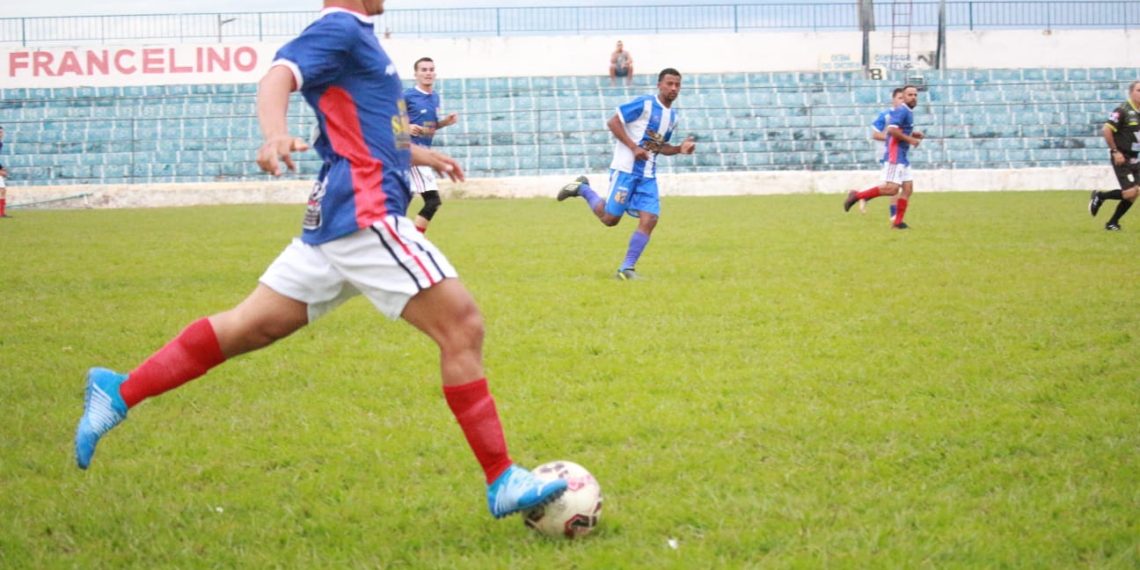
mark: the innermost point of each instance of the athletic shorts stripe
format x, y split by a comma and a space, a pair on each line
395, 236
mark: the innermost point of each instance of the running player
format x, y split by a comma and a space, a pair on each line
1122, 133
423, 112
355, 240
878, 133
643, 128
901, 136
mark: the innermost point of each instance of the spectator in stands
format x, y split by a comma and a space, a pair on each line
355, 240
879, 134
3, 182
424, 112
901, 136
643, 128
1122, 133
621, 65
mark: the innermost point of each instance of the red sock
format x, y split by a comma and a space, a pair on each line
872, 192
3, 203
474, 408
421, 230
188, 356
901, 211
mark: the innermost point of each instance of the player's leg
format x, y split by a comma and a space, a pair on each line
260, 319
580, 187
447, 313
425, 184
903, 201
646, 204
862, 196
1123, 177
3, 197
1129, 177
296, 288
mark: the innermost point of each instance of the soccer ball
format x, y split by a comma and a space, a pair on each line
577, 511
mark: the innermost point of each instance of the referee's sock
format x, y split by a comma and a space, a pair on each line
1111, 195
1121, 208
188, 356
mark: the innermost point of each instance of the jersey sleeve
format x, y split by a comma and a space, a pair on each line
880, 122
1115, 119
316, 57
897, 117
629, 112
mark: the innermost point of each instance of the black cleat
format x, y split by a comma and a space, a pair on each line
627, 275
571, 190
1095, 202
850, 201
1112, 227
900, 226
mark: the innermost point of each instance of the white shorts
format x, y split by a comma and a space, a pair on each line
389, 263
896, 173
423, 179
3, 182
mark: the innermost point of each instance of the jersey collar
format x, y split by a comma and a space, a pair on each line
357, 15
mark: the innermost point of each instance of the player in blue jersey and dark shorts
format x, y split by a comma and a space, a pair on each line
355, 240
901, 136
423, 112
1122, 133
643, 128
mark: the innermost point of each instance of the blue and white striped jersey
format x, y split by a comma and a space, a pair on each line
650, 124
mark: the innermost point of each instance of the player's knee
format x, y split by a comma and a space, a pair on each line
432, 203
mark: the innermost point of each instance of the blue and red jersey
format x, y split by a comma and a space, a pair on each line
423, 110
896, 150
352, 86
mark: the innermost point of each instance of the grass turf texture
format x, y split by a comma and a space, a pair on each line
790, 386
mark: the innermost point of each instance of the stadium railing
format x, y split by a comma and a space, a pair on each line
567, 20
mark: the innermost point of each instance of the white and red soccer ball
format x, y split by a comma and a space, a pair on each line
577, 511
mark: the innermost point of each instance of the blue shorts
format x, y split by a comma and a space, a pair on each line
631, 194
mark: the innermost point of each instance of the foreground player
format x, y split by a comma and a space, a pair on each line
423, 112
901, 136
643, 128
878, 133
355, 240
1122, 133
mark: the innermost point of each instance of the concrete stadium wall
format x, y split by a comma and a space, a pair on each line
1081, 178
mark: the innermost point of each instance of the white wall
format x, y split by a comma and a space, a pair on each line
582, 55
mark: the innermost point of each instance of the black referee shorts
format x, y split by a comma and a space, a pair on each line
1128, 174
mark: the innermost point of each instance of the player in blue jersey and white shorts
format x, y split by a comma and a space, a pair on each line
423, 112
878, 133
901, 136
643, 128
355, 240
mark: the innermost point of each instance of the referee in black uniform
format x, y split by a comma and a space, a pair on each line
1122, 133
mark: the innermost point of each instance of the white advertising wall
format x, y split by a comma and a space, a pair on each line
578, 55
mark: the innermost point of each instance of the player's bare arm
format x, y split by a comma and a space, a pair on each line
272, 103
687, 146
618, 129
1110, 138
439, 162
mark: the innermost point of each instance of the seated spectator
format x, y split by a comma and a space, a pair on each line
621, 65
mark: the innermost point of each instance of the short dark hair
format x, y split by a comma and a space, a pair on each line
1131, 86
897, 90
416, 65
905, 87
667, 71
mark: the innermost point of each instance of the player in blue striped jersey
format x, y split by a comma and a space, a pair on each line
424, 114
643, 128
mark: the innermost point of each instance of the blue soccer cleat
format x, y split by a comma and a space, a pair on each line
103, 409
519, 490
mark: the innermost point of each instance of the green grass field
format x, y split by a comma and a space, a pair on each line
790, 386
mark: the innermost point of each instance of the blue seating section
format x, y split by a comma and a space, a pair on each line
992, 119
